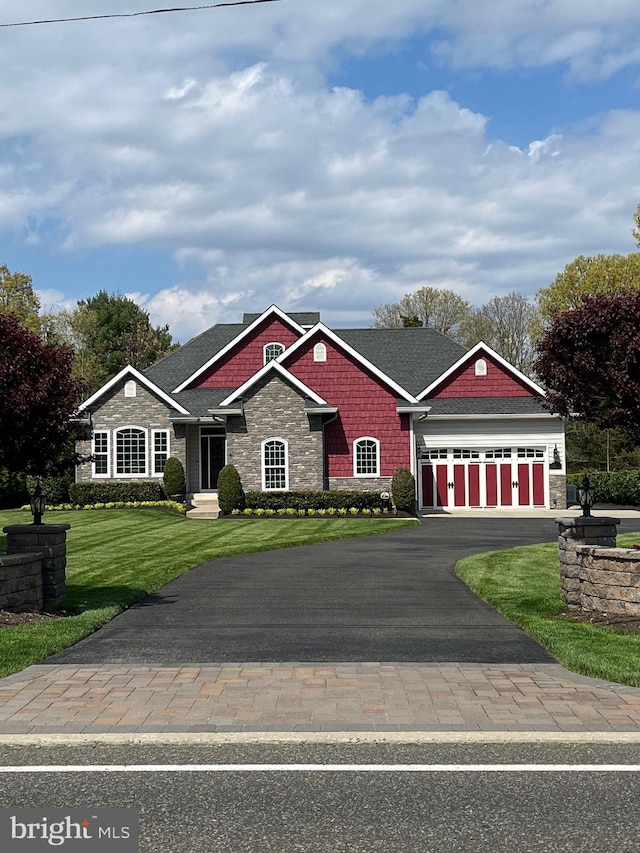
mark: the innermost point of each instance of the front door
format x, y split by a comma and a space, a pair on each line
212, 457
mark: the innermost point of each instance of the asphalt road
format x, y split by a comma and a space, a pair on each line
360, 812
393, 597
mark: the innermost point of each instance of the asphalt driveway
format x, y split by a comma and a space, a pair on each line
392, 597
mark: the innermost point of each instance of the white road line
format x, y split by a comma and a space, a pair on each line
323, 768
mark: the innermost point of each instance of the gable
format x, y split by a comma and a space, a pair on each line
340, 379
247, 356
498, 381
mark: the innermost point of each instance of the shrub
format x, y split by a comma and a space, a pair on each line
13, 489
55, 489
613, 487
313, 500
230, 492
403, 490
175, 482
85, 494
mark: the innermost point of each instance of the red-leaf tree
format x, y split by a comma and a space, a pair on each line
589, 360
37, 399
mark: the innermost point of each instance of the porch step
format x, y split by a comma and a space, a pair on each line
204, 505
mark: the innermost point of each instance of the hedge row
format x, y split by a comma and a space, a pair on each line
613, 487
85, 494
13, 489
313, 500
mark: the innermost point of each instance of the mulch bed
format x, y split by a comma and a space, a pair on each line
613, 620
9, 619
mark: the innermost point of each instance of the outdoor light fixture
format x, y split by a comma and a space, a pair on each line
585, 495
37, 505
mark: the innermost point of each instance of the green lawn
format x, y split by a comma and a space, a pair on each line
115, 557
523, 584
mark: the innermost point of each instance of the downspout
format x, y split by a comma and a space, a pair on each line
325, 473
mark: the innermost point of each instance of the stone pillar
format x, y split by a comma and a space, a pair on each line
51, 541
573, 532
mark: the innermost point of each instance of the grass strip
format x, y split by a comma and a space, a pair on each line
116, 557
523, 584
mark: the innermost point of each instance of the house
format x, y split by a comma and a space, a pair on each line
295, 405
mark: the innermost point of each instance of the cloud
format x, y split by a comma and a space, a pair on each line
214, 136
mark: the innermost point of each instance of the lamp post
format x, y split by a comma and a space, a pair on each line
585, 495
37, 505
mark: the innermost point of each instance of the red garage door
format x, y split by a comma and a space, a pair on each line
502, 477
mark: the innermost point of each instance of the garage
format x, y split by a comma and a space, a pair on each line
468, 478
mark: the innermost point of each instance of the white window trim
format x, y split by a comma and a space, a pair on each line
116, 475
95, 476
130, 388
355, 456
320, 352
152, 450
481, 367
286, 463
272, 344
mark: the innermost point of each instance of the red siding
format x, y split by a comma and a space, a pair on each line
365, 408
497, 383
247, 357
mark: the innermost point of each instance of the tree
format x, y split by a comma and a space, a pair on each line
444, 310
76, 329
38, 399
589, 360
18, 297
116, 330
588, 276
108, 332
593, 449
505, 324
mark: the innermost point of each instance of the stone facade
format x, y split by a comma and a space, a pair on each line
358, 484
275, 409
558, 490
146, 410
48, 541
21, 582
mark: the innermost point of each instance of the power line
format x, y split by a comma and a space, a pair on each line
138, 14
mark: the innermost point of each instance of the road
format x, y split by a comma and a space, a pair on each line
460, 808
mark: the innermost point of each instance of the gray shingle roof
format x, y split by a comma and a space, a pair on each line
412, 357
174, 368
485, 406
302, 318
198, 401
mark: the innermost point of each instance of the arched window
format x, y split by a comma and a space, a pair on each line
131, 451
320, 352
366, 457
272, 350
481, 367
130, 388
275, 465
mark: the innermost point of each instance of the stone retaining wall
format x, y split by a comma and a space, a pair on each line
49, 543
609, 580
21, 582
595, 575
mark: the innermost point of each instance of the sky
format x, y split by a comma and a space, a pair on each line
327, 155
